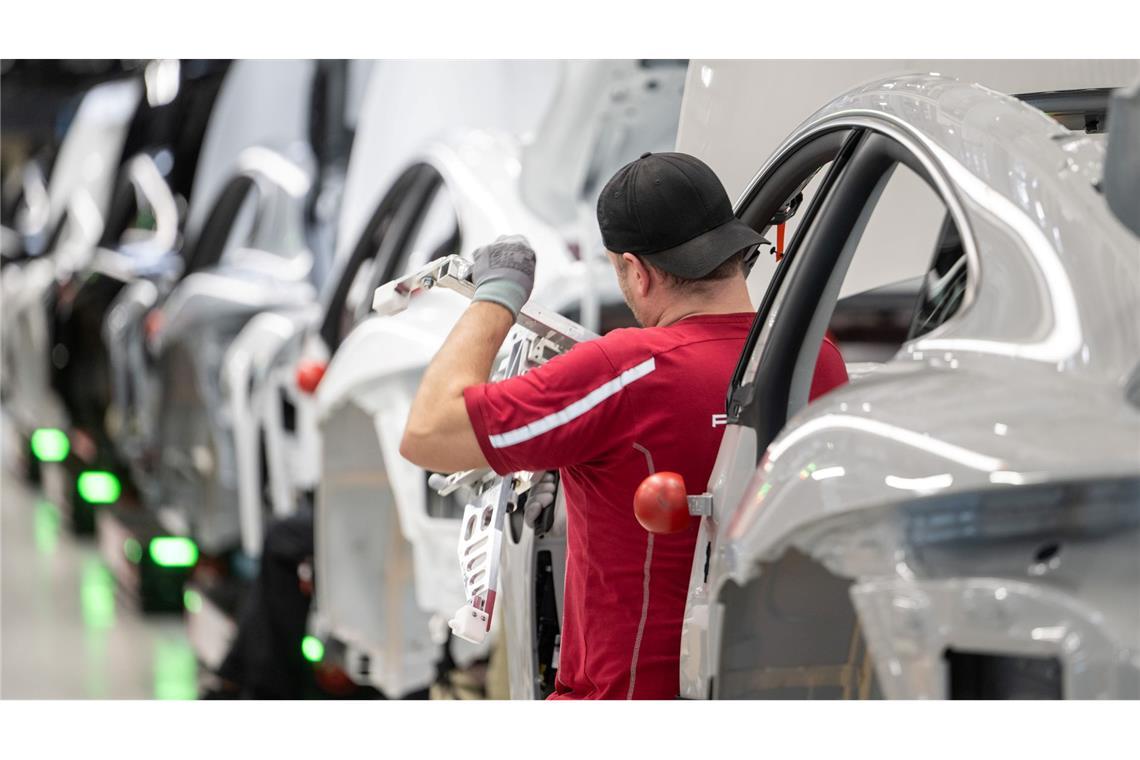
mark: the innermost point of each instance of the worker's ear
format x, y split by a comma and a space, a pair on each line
638, 274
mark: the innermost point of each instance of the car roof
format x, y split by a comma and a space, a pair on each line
1041, 240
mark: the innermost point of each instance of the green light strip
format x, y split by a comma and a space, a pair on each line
312, 649
173, 551
97, 596
192, 601
175, 671
50, 445
46, 527
132, 550
98, 487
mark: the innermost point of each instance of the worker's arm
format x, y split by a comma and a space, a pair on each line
438, 435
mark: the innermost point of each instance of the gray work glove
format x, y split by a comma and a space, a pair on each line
540, 497
503, 272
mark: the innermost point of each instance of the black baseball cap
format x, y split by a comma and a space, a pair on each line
672, 209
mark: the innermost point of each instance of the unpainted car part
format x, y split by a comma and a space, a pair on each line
278, 446
393, 642
386, 388
225, 287
932, 499
78, 194
259, 103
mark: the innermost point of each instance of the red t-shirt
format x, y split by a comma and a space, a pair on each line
586, 413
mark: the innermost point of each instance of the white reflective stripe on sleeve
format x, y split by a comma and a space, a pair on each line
573, 411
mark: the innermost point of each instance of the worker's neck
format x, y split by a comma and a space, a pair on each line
729, 297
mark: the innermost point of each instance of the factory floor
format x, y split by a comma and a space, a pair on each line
64, 634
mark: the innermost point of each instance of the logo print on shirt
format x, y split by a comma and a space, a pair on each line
719, 420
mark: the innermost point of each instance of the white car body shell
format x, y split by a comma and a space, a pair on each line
260, 103
736, 113
376, 371
992, 400
431, 98
80, 186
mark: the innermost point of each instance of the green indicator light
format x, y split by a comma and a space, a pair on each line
175, 671
98, 487
132, 550
312, 648
97, 596
173, 551
192, 600
46, 527
50, 445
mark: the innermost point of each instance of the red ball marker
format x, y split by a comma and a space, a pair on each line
309, 374
661, 503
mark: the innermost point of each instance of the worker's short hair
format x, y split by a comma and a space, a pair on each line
728, 268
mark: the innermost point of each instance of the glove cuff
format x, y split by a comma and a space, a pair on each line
506, 293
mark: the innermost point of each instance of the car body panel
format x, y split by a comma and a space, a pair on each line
995, 399
376, 371
386, 623
409, 104
206, 311
79, 192
260, 109
508, 94
261, 103
141, 238
250, 379
378, 366
737, 113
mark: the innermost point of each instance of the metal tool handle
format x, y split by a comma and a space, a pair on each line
451, 272
454, 273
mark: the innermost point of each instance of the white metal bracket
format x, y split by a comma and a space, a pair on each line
701, 506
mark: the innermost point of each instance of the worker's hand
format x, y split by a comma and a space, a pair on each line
503, 272
540, 497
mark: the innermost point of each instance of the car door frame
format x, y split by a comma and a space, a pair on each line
759, 400
374, 242
764, 401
